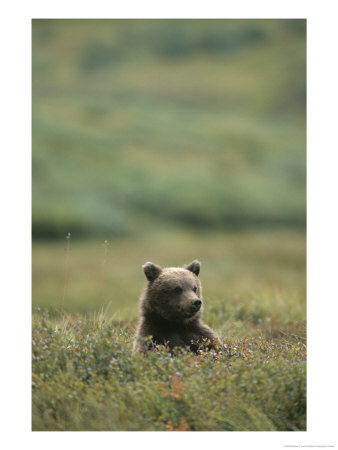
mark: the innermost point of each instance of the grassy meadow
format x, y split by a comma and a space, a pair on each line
85, 376
144, 124
168, 141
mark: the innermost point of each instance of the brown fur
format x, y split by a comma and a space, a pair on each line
169, 309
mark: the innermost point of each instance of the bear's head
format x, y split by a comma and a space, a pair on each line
173, 293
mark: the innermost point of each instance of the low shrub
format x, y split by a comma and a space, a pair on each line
85, 377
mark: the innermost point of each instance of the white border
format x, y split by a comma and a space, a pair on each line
322, 220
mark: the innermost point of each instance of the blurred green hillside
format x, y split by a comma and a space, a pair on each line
144, 124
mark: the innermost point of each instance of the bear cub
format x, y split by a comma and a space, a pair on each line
171, 307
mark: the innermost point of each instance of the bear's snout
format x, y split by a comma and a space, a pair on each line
197, 304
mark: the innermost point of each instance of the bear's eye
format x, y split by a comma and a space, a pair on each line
178, 290
195, 289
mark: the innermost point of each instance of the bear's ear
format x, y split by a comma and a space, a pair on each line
151, 271
194, 267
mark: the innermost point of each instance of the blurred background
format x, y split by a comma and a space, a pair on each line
171, 140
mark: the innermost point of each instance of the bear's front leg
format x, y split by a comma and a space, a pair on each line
206, 333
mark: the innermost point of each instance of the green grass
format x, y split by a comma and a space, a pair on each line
141, 124
241, 272
85, 376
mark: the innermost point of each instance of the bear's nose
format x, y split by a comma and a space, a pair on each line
197, 304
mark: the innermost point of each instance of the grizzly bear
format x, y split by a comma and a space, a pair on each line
171, 307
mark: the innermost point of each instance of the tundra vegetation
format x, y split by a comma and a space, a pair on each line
168, 141
86, 376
